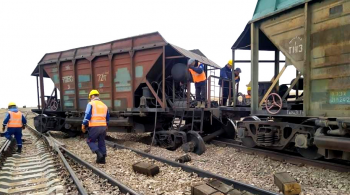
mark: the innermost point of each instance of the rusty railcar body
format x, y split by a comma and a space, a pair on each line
134, 78
314, 36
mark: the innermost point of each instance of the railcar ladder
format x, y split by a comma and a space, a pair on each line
194, 120
177, 121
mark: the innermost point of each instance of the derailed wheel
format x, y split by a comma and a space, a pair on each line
230, 128
310, 152
194, 143
40, 123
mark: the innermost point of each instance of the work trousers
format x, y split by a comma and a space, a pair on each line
225, 94
97, 134
201, 93
17, 132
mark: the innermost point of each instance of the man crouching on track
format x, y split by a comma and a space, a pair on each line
15, 122
97, 117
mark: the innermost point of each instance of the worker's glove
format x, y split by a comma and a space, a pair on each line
83, 128
3, 128
24, 127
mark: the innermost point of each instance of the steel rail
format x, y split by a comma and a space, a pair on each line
4, 149
285, 157
201, 173
65, 152
75, 178
123, 188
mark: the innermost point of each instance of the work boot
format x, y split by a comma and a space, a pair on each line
198, 104
19, 150
202, 105
103, 160
99, 157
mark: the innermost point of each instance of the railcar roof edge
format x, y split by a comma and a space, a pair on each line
71, 54
267, 8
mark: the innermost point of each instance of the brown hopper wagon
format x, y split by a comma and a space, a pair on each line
144, 77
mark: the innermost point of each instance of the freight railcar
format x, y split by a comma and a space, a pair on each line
144, 78
314, 36
134, 78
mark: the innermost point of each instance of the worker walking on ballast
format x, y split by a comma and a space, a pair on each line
200, 80
96, 119
15, 122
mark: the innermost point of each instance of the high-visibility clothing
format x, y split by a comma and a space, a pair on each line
197, 77
247, 96
98, 114
15, 119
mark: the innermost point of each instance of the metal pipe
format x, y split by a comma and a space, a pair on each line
277, 66
326, 123
163, 79
336, 132
233, 80
213, 135
333, 143
42, 92
112, 122
37, 91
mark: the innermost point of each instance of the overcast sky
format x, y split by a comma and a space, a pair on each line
29, 29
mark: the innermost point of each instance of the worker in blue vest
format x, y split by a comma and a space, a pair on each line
15, 122
226, 73
96, 118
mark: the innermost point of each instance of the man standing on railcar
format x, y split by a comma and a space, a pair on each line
96, 118
200, 80
226, 73
15, 122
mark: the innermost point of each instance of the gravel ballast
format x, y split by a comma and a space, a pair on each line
170, 180
251, 169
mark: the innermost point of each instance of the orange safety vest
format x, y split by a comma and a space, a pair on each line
247, 96
15, 119
98, 114
197, 77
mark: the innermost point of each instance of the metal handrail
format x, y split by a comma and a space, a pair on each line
209, 96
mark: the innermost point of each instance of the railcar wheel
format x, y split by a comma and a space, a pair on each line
194, 143
248, 141
310, 152
40, 123
230, 128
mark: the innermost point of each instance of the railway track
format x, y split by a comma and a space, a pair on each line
35, 171
46, 167
293, 159
201, 173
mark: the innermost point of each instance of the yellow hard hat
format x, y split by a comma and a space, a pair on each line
249, 88
93, 92
230, 62
12, 104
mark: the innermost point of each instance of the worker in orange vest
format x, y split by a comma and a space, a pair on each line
249, 89
15, 122
199, 78
96, 119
